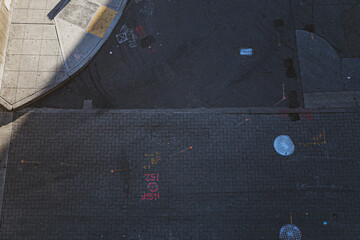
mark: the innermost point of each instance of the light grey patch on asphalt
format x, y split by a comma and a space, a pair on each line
149, 7
319, 64
284, 145
87, 104
290, 232
322, 100
350, 73
79, 12
127, 34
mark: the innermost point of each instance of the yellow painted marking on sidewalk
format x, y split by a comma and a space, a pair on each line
243, 121
189, 148
316, 139
101, 22
32, 162
119, 170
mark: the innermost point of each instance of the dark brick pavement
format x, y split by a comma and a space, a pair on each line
230, 185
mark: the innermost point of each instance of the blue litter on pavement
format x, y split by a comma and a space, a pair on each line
284, 145
324, 223
290, 232
246, 51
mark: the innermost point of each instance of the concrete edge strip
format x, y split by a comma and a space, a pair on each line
335, 99
60, 46
47, 90
102, 41
258, 110
6, 104
5, 158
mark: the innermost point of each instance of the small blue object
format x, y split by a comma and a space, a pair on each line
324, 223
246, 51
284, 145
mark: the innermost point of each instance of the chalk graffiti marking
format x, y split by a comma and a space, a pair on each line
319, 139
283, 97
149, 7
119, 170
240, 123
127, 35
152, 177
154, 159
78, 57
189, 148
150, 196
36, 163
145, 40
152, 186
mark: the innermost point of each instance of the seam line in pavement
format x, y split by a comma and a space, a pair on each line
196, 111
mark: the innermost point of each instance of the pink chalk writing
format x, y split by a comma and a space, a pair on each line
150, 196
152, 177
153, 187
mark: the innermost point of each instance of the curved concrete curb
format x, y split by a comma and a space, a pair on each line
6, 104
319, 63
328, 81
69, 70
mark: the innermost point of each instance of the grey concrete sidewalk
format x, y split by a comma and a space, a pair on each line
42, 53
328, 50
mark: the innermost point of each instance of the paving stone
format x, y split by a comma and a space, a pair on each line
19, 15
31, 47
49, 32
79, 12
44, 79
28, 62
12, 62
17, 31
33, 31
9, 94
21, 3
10, 79
26, 79
50, 47
14, 46
48, 63
22, 93
37, 4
